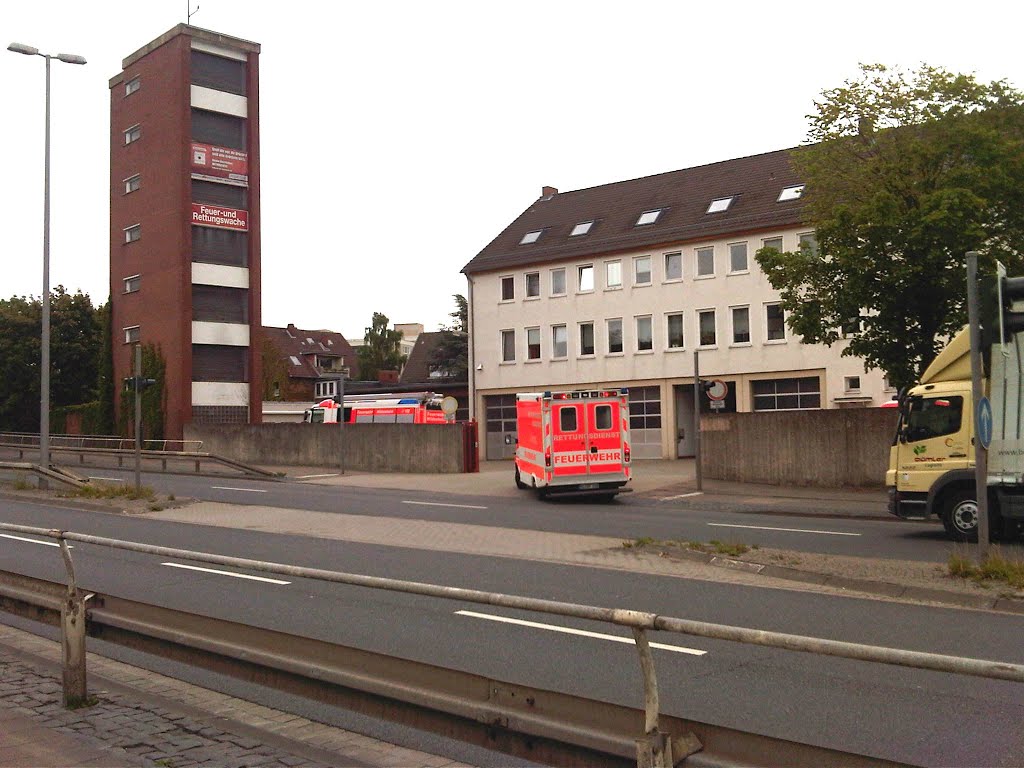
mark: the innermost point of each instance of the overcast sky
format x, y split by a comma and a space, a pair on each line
399, 138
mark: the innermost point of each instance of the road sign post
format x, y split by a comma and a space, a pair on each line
980, 454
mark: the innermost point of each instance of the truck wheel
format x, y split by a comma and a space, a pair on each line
519, 483
960, 516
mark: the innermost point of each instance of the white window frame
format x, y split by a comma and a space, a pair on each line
714, 314
132, 334
852, 384
697, 275
732, 326
608, 284
552, 279
554, 341
746, 258
785, 336
679, 257
511, 334
650, 270
132, 183
531, 237
526, 286
327, 388
579, 278
637, 319
793, 192
501, 288
130, 281
608, 336
766, 240
131, 86
133, 133
133, 233
668, 331
593, 339
581, 229
647, 218
720, 204
540, 347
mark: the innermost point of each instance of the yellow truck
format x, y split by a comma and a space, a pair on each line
931, 461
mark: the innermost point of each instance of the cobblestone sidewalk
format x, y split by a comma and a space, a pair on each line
145, 719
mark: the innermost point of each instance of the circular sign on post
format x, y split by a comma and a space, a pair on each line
717, 390
449, 405
983, 421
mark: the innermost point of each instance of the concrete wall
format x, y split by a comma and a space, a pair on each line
367, 447
827, 448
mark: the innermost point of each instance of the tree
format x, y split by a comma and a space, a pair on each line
105, 386
381, 350
904, 175
451, 355
154, 398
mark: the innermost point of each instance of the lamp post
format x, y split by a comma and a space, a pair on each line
44, 385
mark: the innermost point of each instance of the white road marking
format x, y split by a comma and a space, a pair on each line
32, 541
682, 496
108, 479
580, 632
229, 488
789, 530
310, 477
439, 504
226, 573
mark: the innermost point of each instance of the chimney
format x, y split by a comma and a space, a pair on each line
548, 192
292, 330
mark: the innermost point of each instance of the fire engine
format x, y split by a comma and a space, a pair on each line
573, 443
396, 408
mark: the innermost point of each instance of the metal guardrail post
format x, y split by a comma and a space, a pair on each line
72, 635
653, 749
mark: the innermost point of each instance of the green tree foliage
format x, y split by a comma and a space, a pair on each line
451, 355
106, 423
154, 398
381, 350
904, 175
75, 340
275, 372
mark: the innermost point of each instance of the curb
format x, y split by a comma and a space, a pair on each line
868, 586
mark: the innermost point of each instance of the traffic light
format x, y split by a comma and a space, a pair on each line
131, 383
1000, 320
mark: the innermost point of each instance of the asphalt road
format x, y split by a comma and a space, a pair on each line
921, 717
627, 518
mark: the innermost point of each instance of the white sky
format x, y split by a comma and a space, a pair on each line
399, 138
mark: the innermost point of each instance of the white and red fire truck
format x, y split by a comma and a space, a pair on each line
390, 408
573, 443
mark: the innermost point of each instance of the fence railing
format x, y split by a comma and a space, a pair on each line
30, 439
657, 745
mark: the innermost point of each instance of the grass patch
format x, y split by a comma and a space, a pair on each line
23, 485
717, 547
88, 701
643, 541
103, 491
996, 568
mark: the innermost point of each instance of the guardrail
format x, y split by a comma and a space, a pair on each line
100, 441
530, 722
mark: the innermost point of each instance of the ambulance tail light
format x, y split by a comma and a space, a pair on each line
625, 453
547, 460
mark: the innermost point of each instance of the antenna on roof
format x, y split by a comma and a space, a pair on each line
191, 13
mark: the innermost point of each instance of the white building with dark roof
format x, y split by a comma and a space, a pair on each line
619, 285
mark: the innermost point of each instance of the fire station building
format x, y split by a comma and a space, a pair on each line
185, 222
619, 285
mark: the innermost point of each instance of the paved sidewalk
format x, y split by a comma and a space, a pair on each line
141, 718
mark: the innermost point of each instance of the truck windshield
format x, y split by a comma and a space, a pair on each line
932, 417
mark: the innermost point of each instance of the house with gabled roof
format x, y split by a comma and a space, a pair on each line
634, 284
304, 366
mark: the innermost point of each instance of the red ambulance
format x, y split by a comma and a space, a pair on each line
400, 408
573, 443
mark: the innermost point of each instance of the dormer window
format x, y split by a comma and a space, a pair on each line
720, 204
581, 229
531, 237
791, 193
648, 217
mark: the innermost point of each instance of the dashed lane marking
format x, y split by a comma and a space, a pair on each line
226, 573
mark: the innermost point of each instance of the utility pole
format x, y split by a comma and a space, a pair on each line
980, 451
137, 384
696, 417
341, 422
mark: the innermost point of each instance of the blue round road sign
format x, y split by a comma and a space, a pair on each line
983, 422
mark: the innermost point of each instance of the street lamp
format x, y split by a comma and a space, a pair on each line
44, 386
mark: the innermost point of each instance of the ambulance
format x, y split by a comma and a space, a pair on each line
399, 408
573, 443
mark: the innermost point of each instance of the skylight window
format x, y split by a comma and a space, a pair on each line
531, 237
295, 360
720, 204
581, 229
790, 193
648, 217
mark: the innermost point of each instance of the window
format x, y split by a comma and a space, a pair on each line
615, 336
218, 72
810, 242
772, 242
790, 193
131, 284
741, 325
648, 217
508, 346
532, 285
132, 233
933, 416
776, 322
325, 389
851, 327
851, 383
581, 229
706, 326
673, 266
132, 183
585, 277
218, 129
508, 288
644, 408
132, 334
531, 237
586, 339
567, 421
132, 86
613, 274
220, 304
644, 334
720, 204
705, 262
221, 194
533, 343
559, 342
133, 134
603, 417
787, 394
675, 331
642, 270
558, 282
738, 257
213, 245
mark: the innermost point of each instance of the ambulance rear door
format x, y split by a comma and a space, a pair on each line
568, 442
604, 440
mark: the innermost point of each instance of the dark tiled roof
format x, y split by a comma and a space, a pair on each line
417, 367
683, 195
304, 346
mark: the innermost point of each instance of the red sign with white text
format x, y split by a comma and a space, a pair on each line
220, 162
204, 215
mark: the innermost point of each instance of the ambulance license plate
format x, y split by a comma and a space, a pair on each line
589, 486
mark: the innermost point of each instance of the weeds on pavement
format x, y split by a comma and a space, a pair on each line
995, 569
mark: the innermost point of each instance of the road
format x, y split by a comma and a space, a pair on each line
920, 717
